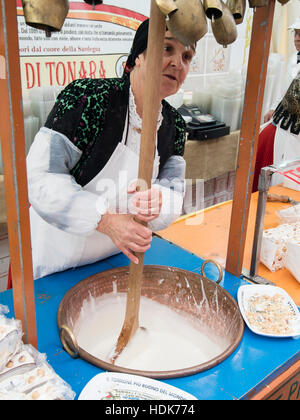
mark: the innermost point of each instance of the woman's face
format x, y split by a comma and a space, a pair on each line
176, 64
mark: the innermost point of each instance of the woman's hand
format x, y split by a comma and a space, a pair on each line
145, 205
127, 234
268, 115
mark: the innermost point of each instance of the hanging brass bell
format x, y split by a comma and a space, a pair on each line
258, 3
166, 6
283, 1
237, 8
94, 2
48, 15
188, 23
224, 28
213, 8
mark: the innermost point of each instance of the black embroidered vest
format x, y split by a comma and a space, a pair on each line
287, 114
92, 114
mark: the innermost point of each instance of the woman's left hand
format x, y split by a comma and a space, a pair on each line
145, 205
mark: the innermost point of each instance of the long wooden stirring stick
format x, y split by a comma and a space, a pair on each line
157, 29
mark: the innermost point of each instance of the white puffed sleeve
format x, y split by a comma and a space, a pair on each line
53, 192
171, 182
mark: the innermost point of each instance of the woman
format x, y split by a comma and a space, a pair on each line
83, 164
287, 136
280, 140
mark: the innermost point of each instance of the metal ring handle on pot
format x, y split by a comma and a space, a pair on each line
219, 267
74, 353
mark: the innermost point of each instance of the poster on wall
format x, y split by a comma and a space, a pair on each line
93, 43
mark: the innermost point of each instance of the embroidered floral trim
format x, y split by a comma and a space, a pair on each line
135, 125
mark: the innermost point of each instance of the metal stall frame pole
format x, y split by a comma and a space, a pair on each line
254, 95
264, 183
15, 180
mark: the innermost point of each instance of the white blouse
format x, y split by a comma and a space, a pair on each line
60, 201
135, 125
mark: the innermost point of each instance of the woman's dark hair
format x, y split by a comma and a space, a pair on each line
139, 45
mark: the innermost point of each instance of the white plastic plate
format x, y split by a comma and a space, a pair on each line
247, 291
121, 386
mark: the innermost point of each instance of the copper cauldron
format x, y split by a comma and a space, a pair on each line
207, 304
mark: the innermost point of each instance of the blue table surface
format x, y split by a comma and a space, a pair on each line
256, 358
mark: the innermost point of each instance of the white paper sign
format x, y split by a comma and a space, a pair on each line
93, 43
120, 386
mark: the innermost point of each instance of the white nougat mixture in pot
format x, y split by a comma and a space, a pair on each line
169, 342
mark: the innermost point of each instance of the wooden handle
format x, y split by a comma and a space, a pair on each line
278, 198
157, 29
151, 104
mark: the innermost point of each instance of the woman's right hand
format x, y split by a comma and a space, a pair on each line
127, 234
268, 115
